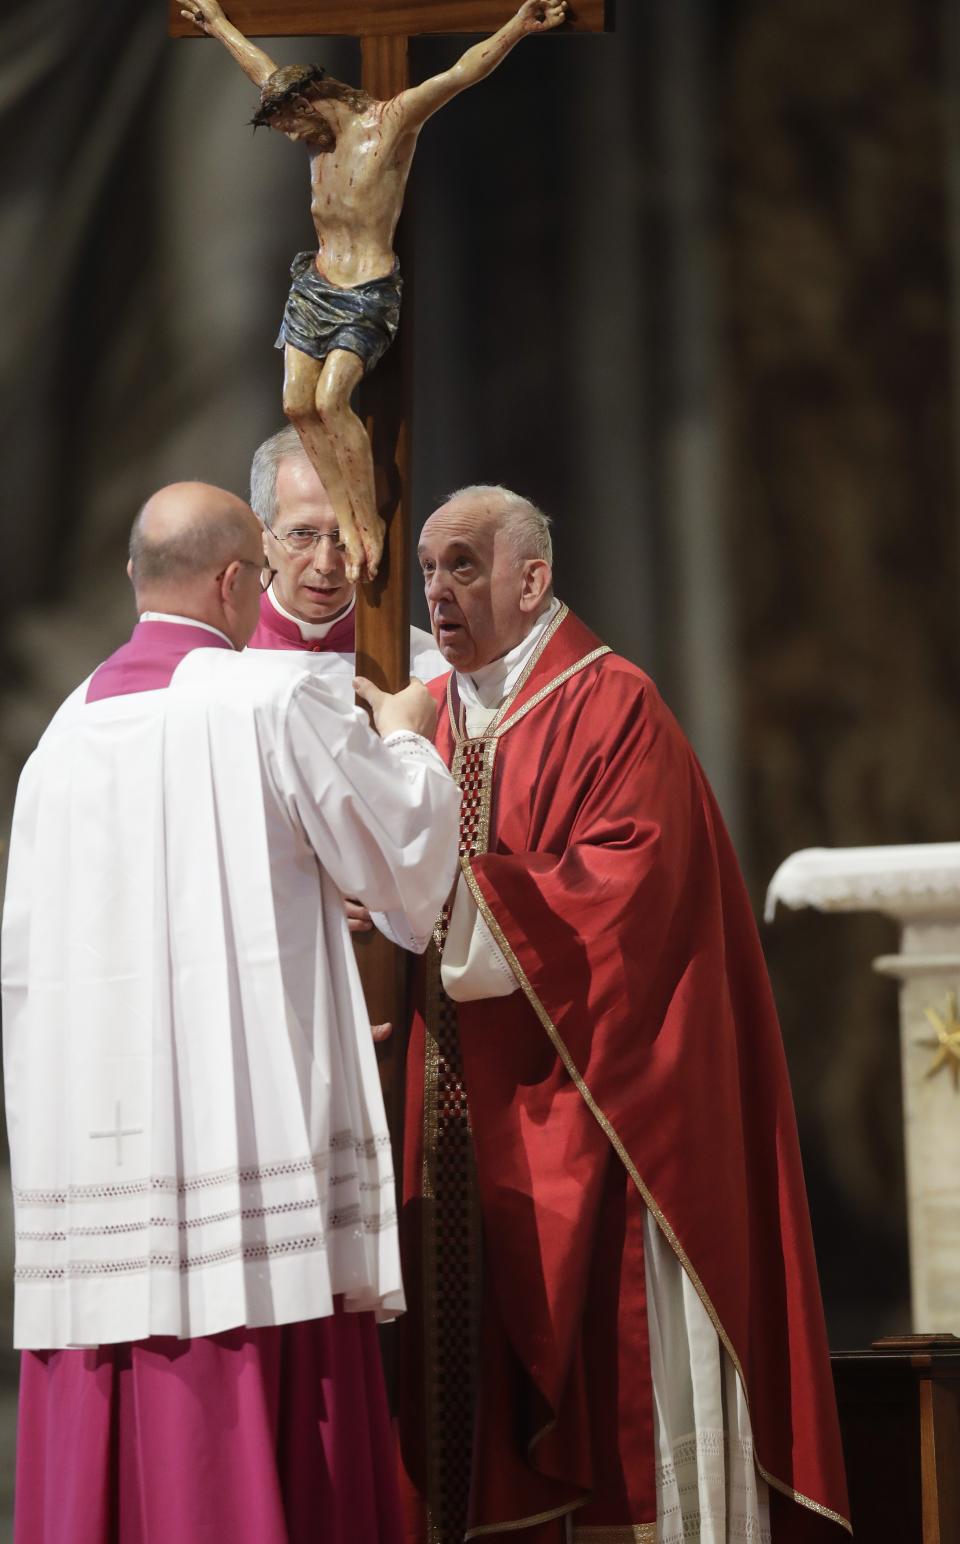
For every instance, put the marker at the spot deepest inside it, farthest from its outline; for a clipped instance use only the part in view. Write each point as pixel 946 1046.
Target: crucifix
pixel 356 296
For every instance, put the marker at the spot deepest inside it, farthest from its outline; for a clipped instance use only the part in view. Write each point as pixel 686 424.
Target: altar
pixel 919 888
pixel 899 1400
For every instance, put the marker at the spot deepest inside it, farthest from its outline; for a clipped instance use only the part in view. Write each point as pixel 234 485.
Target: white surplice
pixel 709 1490
pixel 196 1125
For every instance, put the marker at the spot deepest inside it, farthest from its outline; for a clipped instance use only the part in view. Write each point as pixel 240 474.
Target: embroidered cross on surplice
pixel 119 1132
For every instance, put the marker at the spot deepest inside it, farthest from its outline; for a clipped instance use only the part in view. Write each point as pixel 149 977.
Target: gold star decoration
pixel 947 1043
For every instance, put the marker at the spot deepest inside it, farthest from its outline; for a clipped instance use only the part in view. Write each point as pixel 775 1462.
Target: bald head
pixel 188 529
pixel 185 539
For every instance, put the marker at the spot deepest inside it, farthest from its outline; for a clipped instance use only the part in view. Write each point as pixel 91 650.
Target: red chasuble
pixel 640 1065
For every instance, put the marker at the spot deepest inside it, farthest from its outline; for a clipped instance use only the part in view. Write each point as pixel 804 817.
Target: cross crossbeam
pixel 383 18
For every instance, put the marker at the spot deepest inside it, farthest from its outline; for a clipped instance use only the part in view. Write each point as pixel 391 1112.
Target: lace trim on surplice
pixel 708 1493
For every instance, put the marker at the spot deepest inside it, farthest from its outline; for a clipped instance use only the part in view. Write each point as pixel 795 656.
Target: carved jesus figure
pixel 344 303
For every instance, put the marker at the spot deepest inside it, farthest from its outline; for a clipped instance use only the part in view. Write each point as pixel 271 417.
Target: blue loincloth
pixel 320 316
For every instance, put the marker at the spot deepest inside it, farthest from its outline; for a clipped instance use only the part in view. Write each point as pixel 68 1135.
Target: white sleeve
pixel 18 913
pixel 382 816
pixel 472 964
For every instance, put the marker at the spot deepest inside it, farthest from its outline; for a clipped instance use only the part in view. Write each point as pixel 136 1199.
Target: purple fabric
pixel 278 1435
pixel 274 631
pixel 147 662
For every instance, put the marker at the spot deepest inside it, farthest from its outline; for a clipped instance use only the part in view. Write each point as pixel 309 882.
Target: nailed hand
pixel 542 15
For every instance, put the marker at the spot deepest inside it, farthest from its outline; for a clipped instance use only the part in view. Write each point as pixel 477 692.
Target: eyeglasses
pixel 306 538
pixel 265 571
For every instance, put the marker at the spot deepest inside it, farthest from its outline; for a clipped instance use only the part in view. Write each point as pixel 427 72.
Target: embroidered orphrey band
pixel 625 1533
pixel 451 1212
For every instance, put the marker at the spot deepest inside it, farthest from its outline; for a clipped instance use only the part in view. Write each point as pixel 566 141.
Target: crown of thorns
pixel 282 87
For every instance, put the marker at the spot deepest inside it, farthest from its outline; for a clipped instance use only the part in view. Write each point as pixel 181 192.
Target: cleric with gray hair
pixel 487 563
pixel 310 602
pixel 527 525
pixel 285 445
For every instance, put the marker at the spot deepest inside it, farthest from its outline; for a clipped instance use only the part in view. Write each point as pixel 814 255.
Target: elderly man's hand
pixel 413 709
pixel 359 919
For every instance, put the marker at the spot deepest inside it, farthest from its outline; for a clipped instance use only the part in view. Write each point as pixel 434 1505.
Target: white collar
pixel 312 629
pixel 489 686
pixel 169 616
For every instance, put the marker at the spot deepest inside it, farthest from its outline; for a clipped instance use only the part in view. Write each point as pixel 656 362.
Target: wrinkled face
pixel 473 584
pixel 311 584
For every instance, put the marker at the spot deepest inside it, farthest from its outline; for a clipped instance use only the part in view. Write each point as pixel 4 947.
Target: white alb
pixel 196 1125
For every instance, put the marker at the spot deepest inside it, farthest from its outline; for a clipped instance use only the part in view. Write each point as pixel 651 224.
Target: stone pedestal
pixel 919 887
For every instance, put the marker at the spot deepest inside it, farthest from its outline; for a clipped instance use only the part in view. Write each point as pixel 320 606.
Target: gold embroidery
pixel 505 719
pixel 452 1271
pixel 492 731
pixel 801 1500
pixel 529 667
pixel 452 1239
pixel 551 686
pixel 628 1164
pixel 454 729
pixel 522 1522
pixel 621 1533
pixel 430 1059
pixel 473 772
pixel 538 1436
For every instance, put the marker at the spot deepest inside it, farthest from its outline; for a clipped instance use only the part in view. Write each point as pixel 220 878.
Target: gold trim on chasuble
pixel 497 725
pixel 620 1533
pixel 625 1159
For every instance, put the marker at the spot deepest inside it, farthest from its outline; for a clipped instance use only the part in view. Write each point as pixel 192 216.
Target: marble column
pixel 919 887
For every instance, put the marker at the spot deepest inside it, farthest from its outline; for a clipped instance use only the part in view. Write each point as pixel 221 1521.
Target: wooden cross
pixel 385 28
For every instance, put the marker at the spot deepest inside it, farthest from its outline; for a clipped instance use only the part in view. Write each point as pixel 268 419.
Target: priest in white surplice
pixel 309 604
pixel 203 1181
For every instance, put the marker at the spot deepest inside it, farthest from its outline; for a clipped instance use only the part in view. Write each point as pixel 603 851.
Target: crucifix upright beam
pixel 385 28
